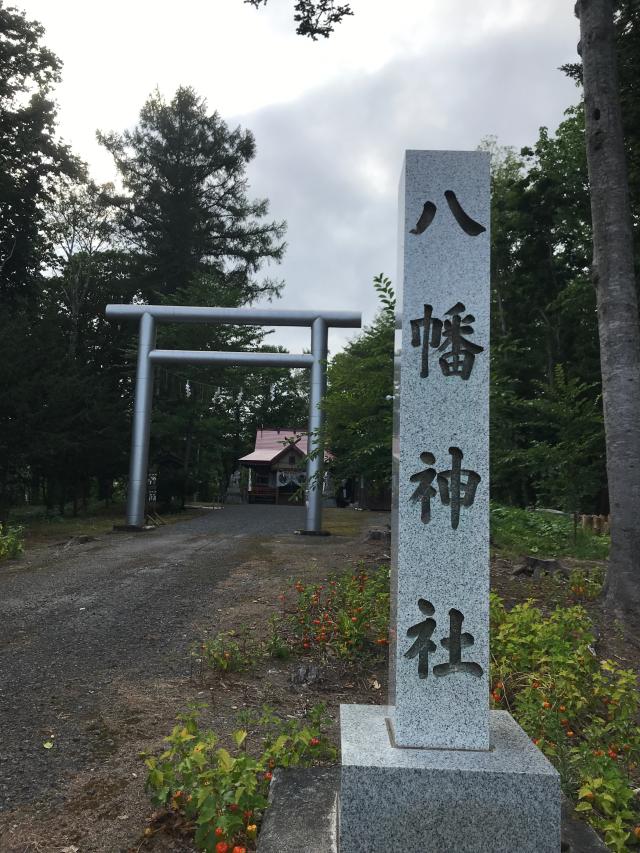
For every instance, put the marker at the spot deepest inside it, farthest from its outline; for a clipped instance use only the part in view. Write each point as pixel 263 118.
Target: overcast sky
pixel 332 118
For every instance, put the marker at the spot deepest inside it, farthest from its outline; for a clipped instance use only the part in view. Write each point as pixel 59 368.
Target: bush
pixel 223 792
pixel 345 618
pixel 581 712
pixel 11 542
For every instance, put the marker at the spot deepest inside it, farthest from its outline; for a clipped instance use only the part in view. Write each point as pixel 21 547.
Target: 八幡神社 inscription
pixel 429 210
pixel 455 491
pixel 458 353
pixel 423 645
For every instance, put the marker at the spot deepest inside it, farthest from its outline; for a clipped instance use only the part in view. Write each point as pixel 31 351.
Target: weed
pixel 11 542
pixel 223 652
pixel 276 645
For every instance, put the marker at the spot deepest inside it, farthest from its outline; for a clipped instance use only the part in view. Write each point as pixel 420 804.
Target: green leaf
pixel 240 736
pixel 208 810
pixel 225 761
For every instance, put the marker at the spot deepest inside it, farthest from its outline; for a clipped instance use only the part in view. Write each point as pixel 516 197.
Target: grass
pixel 341 522
pixel 516 531
pixel 40 528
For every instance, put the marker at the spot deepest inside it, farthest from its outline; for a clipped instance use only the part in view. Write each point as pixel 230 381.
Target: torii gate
pixel 150 315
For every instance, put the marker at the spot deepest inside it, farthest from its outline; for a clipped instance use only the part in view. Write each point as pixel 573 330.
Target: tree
pixel 564 442
pixel 31 159
pixel 614 280
pixel 314 17
pixel 544 328
pixel 82 226
pixel 185 214
pixel 194 237
pixel 358 404
pixel 90 373
pixel 30 154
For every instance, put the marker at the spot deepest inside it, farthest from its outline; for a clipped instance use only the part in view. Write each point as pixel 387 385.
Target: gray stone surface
pixel 435 560
pixel 302 813
pixel 502 800
pixel 302 816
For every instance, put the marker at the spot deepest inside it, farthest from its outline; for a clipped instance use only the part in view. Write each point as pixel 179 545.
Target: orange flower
pixel 570 733
pixel 546 704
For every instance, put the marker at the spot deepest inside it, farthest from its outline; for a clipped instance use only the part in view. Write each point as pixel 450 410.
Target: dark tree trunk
pixel 613 274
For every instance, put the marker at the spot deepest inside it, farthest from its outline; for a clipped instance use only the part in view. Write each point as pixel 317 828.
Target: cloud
pixel 332 118
pixel 330 161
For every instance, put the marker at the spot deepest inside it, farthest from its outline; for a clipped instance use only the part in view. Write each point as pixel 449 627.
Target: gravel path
pixel 76 620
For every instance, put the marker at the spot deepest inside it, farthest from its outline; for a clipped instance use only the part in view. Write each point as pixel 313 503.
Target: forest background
pixel 183 229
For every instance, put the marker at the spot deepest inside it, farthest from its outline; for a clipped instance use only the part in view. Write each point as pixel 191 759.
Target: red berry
pixel 222 847
pixel 219 831
pixel 268 775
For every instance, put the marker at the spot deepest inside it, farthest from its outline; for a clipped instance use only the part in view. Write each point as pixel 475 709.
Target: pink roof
pixel 270 443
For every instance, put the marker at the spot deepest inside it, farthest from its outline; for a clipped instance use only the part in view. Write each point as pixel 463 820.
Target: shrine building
pixel 277 466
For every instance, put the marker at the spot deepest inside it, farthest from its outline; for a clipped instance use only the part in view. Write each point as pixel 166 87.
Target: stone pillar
pixel 435 771
pixel 440 666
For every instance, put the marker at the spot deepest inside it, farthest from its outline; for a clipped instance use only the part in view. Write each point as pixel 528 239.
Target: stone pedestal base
pixel 439 800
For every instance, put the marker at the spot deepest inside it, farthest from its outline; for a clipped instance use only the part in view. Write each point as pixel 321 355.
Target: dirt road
pixel 94 642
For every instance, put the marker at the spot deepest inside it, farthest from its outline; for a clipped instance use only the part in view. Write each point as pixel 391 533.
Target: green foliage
pixel 545 353
pixel 544 534
pixel 32 159
pixel 223 652
pixel 564 444
pixel 581 712
pixel 346 618
pixel 194 237
pixel 587 585
pixel 276 645
pixel 223 791
pixel 11 542
pixel 359 401
pixel 386 294
pixel 30 153
pixel 185 213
